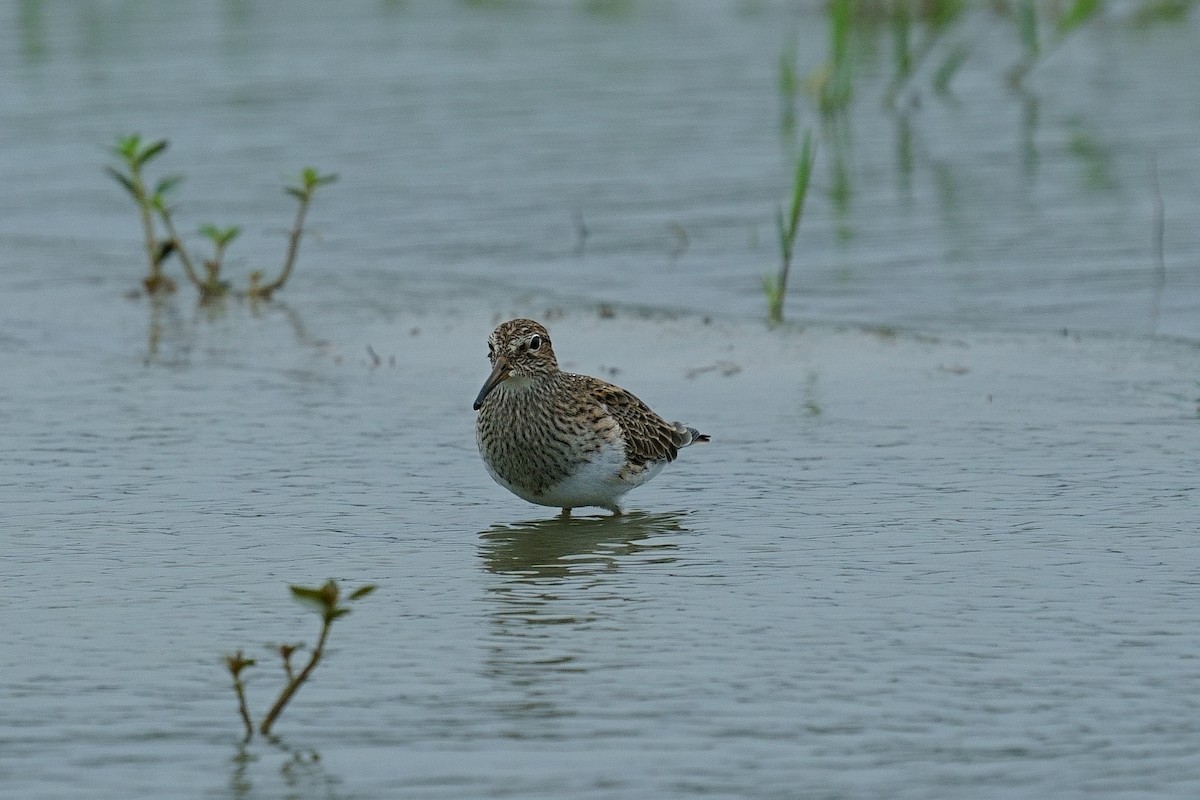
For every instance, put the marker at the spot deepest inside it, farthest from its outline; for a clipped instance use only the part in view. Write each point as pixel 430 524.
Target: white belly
pixel 600 482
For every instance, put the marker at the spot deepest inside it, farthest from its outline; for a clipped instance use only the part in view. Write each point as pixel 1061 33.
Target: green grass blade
pixel 781 229
pixel 800 186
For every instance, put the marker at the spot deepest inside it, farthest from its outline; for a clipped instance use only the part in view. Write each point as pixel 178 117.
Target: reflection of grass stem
pixel 948 68
pixel 904 60
pixel 937 17
pixel 1155 11
pixel 788 83
pixel 775 286
pixel 830 84
pixel 837 88
pixel 1077 14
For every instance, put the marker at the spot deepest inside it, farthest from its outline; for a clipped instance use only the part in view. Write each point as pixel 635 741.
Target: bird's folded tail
pixel 688 435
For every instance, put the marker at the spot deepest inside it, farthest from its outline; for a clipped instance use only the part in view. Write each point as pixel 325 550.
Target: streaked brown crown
pixel 525 347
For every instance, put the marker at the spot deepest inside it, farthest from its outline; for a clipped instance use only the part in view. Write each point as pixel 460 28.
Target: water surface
pixel 941 545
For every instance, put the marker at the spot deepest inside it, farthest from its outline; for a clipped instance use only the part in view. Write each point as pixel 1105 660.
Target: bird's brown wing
pixel 648 437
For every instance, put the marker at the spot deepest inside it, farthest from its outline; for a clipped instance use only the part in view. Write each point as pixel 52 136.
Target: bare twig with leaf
pixel 327 601
pixel 310 181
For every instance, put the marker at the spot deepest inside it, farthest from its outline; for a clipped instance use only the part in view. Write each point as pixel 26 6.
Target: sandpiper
pixel 558 439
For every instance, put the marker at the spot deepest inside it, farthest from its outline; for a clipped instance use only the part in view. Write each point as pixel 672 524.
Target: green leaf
pixel 127 146
pixel 362 591
pixel 237 662
pixel 129 185
pixel 310 178
pixel 164 251
pixel 800 187
pixel 334 613
pixel 310 597
pixel 168 183
pixel 221 236
pixel 299 194
pixel 152 150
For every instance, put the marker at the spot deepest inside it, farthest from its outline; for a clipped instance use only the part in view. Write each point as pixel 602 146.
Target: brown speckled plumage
pixel 566 440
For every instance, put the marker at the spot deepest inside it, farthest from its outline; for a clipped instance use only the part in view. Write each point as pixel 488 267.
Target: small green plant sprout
pixel 213 286
pixel 310 180
pixel 775 286
pixel 326 600
pixel 153 206
pixel 135 155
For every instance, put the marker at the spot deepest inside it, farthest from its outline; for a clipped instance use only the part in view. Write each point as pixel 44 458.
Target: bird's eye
pixel 535 342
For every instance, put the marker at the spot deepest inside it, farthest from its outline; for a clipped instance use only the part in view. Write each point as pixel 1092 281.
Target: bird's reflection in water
pixel 575 546
pixel 561 588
